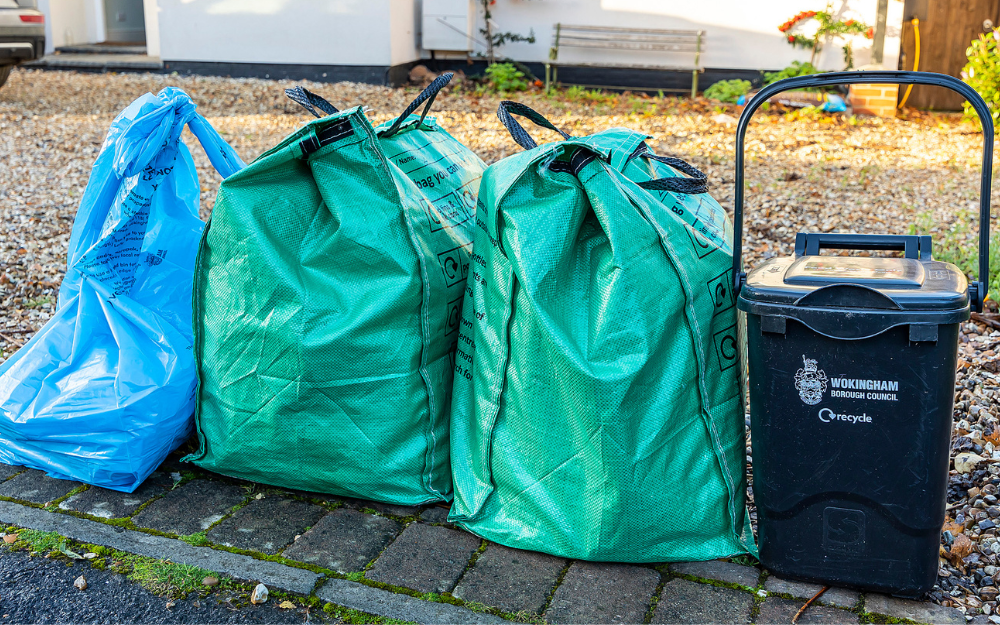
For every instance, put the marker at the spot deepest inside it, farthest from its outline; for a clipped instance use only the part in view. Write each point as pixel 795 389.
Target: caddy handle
pixel 977 290
pixel 912 246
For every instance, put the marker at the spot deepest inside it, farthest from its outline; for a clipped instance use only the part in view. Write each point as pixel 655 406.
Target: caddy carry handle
pixel 977 290
pixel 912 246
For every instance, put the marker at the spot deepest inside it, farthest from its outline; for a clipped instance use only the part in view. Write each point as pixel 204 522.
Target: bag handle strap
pixel 310 101
pixel 222 155
pixel 508 109
pixel 427 95
pixel 697 183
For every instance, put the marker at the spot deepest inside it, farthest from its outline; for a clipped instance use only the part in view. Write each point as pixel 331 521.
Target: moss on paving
pixel 161 576
pixel 169 579
pixel 198 539
pixel 715 582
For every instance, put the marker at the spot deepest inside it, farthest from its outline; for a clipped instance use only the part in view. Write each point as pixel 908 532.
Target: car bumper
pixel 18 49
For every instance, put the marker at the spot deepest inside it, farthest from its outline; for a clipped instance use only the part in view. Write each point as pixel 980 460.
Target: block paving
pixel 410 550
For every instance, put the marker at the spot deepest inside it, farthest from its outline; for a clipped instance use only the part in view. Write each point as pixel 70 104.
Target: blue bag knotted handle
pixel 136 143
pixel 697 183
pixel 146 135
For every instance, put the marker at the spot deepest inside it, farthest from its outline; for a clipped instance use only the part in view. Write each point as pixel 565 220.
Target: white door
pixel 124 21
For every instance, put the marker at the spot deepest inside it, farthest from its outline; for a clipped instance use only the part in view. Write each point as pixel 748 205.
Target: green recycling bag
pixel 327 298
pixel 597 411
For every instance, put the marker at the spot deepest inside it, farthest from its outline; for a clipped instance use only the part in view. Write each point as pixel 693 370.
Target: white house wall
pixel 69 22
pixel 311 32
pixel 740 34
pixel 404 16
pixel 151 13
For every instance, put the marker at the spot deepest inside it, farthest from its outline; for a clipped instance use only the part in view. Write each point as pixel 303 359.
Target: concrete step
pixel 96 48
pixel 99 62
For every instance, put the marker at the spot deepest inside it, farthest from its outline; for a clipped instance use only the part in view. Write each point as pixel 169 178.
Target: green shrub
pixel 982 73
pixel 506 77
pixel 797 68
pixel 728 90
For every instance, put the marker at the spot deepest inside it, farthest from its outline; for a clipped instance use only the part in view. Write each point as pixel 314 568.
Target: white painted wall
pixel 151 13
pixel 320 32
pixel 69 22
pixel 739 33
pixel 404 17
pixel 94 15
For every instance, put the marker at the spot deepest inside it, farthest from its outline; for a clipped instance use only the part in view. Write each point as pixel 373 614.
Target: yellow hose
pixel 916 57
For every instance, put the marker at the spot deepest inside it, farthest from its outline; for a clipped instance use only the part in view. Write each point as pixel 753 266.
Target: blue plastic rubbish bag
pixel 105 390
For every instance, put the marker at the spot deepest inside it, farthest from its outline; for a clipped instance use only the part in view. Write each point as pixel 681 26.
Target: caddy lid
pixel 914 282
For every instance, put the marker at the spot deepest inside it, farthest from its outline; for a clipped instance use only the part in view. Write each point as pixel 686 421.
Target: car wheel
pixel 4 73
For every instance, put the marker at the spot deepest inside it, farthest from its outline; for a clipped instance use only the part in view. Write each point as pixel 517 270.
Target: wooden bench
pixel 684 43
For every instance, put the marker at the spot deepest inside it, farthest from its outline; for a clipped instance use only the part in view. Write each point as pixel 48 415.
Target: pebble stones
pixel 80 583
pixel 259 594
pixel 968 580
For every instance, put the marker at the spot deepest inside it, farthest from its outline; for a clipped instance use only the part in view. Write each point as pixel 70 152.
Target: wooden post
pixel 553 56
pixel 697 61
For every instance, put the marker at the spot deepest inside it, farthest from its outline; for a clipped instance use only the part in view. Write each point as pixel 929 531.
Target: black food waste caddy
pixel 852 365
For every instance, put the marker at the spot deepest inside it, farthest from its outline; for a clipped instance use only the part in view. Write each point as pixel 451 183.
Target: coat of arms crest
pixel 810 382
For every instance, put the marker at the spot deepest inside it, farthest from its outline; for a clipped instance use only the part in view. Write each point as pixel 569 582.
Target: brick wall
pixel 877 100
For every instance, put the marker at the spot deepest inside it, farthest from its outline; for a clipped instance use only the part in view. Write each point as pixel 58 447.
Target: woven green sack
pixel 327 297
pixel 597 411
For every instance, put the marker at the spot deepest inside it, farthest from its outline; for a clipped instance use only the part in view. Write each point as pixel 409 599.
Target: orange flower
pixel 870 33
pixel 791 38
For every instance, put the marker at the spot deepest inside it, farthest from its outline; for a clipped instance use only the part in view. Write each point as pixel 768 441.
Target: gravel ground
pixel 826 174
pixel 37 590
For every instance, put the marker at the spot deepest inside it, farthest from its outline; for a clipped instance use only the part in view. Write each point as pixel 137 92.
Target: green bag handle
pixel 310 101
pixel 427 94
pixel 509 108
pixel 697 183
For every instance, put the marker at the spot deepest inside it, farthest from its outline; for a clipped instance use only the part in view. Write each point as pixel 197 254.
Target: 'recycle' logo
pixel 826 416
